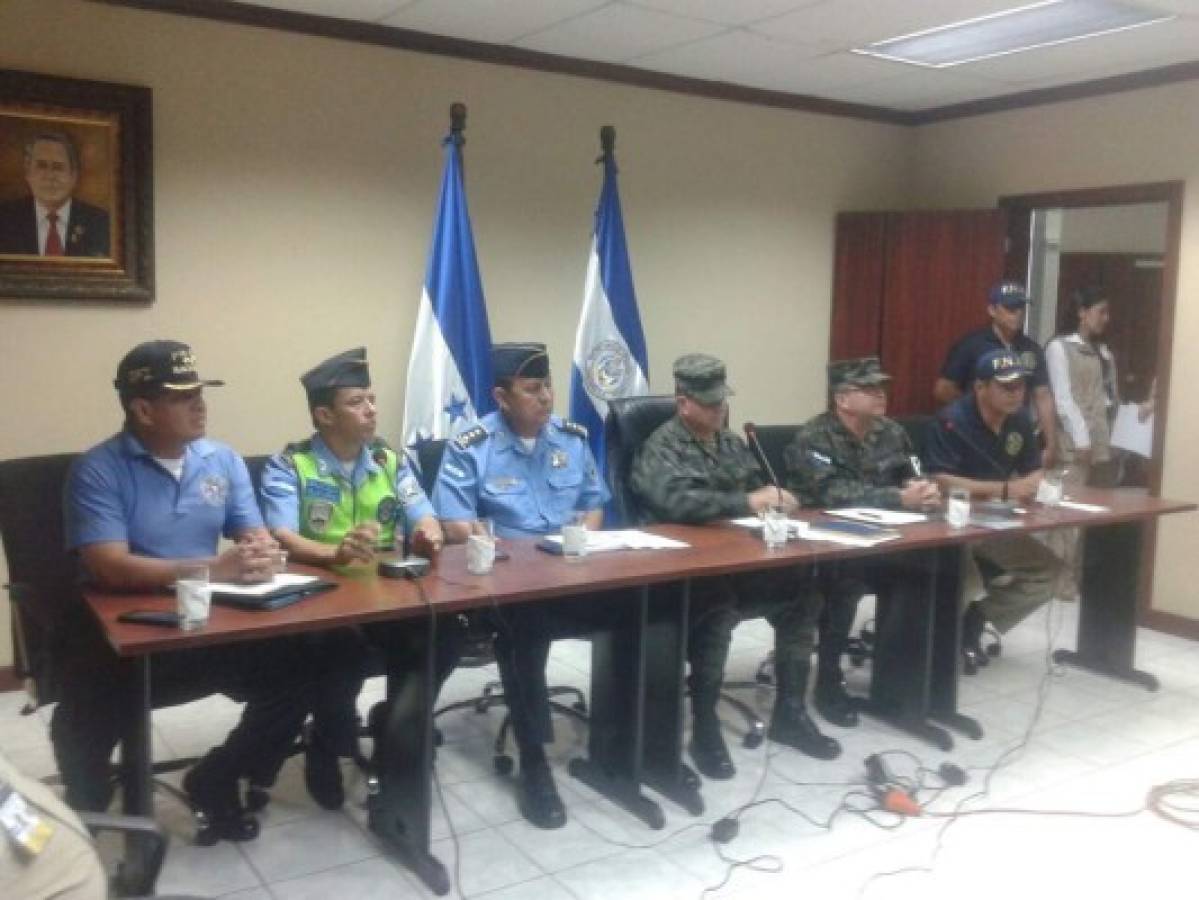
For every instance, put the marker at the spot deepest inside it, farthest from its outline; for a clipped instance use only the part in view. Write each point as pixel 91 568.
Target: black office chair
pixel 45 609
pixel 630 421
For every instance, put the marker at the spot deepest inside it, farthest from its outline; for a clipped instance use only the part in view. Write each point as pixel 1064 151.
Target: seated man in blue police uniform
pixel 153 496
pixel 335 500
pixel 530 472
pixel 984 443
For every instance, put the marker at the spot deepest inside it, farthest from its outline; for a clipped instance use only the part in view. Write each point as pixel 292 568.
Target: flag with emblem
pixel 610 360
pixel 449 372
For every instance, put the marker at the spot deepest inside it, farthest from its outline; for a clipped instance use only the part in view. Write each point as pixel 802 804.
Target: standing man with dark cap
pixel 693 470
pixel 983 443
pixel 1007 306
pixel 154 496
pixel 335 500
pixel 530 472
pixel 853 455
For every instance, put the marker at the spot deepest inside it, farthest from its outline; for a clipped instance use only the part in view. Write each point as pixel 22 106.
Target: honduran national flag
pixel 449 372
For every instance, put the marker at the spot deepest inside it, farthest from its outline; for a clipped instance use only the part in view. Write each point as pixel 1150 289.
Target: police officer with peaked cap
pixel 334 500
pixel 530 472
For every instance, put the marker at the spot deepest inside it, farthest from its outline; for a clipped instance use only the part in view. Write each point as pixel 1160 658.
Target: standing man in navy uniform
pixel 156 495
pixel 1007 305
pixel 531 473
pixel 334 500
pixel 984 443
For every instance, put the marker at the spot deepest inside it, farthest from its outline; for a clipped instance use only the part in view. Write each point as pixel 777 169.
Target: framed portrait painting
pixel 76 189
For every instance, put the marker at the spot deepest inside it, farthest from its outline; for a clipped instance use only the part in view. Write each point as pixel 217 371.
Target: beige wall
pixel 1120 139
pixel 294 185
pixel 1135 228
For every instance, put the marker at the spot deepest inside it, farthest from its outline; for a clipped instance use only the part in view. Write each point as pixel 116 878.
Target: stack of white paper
pixel 630 539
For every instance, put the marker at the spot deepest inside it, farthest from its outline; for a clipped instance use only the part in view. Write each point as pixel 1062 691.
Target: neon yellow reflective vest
pixel 329 504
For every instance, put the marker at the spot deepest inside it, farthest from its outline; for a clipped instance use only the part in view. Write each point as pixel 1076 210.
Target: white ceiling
pixel 796 46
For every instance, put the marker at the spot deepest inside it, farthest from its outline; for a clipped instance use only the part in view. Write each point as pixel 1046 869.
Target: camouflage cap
pixel 862 372
pixel 1000 365
pixel 701 377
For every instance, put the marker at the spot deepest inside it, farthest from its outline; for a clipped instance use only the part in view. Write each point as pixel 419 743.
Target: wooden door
pixel 936 269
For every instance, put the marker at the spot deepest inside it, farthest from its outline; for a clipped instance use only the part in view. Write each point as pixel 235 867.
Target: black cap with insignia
pixel 159 365
pixel 345 370
pixel 520 361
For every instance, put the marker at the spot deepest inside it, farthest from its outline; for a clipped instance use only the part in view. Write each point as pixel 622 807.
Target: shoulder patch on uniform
pixel 289 452
pixel 470 437
pixel 574 428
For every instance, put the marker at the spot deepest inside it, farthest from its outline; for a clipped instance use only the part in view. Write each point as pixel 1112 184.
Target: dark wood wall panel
pixel 939 267
pixel 858 263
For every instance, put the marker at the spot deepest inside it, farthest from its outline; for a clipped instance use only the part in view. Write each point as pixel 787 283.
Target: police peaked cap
pixel 345 370
pixel 519 361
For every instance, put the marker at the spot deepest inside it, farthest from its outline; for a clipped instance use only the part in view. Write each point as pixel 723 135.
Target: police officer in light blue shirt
pixel 156 495
pixel 530 473
pixel 336 499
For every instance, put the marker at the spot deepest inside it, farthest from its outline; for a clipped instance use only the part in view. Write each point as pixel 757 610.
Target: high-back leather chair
pixel 630 421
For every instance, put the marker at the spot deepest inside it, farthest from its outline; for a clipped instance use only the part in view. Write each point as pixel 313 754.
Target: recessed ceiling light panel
pixel 1013 31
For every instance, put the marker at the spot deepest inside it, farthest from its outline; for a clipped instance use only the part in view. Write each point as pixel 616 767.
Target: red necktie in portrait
pixel 53 241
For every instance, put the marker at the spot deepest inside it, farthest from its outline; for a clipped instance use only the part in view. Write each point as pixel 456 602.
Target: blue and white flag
pixel 610 359
pixel 449 372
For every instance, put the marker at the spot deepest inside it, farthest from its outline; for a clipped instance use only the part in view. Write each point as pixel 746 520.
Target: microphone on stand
pixel 751 435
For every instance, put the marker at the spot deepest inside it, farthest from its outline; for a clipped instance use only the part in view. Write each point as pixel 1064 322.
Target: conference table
pixel 638 658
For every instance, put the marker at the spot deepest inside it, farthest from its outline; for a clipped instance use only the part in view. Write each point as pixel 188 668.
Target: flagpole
pixel 607 143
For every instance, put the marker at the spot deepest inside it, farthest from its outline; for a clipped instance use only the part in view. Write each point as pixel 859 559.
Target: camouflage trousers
pixel 789 599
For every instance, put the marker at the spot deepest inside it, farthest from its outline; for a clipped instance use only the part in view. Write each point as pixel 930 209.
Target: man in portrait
pixel 51 221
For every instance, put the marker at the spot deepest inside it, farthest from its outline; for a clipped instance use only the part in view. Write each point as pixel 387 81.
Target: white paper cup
pixel 574 540
pixel 774 528
pixel 480 554
pixel 957 508
pixel 193 597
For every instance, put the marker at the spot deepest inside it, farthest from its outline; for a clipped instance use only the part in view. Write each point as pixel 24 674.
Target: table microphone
pixel 751 435
pixel 1005 475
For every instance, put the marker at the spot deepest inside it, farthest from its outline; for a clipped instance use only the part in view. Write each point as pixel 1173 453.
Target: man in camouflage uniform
pixel 693 470
pixel 852 455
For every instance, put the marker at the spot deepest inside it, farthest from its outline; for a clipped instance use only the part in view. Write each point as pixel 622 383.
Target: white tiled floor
pixel 1097 745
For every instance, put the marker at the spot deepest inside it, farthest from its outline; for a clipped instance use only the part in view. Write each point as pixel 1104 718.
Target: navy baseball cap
pixel 1000 365
pixel 1007 293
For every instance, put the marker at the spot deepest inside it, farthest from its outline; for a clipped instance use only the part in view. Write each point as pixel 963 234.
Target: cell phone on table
pixel 501 555
pixel 159 617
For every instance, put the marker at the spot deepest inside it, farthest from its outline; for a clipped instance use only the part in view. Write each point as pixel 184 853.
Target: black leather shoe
pixel 537 797
pixel 974 623
pixel 322 776
pixel 217 807
pixel 790 724
pixel 709 751
pixel 834 703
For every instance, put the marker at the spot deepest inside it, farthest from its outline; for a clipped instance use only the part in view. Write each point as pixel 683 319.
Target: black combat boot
pixel 322 774
pixel 831 699
pixel 790 723
pixel 708 749
pixel 212 790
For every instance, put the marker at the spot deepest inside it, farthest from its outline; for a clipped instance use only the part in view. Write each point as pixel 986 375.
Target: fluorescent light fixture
pixel 1044 24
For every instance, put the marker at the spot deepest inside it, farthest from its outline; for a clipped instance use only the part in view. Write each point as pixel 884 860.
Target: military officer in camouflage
pixel 334 500
pixel 852 455
pixel 530 472
pixel 693 470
